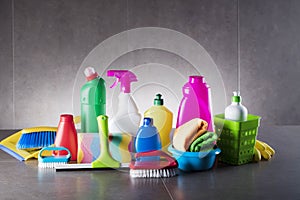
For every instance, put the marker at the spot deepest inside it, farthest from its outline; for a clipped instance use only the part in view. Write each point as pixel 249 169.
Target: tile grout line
pixel 13 59
pixel 167 189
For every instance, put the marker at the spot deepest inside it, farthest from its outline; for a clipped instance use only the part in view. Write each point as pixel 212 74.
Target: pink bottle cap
pixel 90 73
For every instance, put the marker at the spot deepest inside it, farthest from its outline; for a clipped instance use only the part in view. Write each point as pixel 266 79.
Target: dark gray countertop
pixel 278 178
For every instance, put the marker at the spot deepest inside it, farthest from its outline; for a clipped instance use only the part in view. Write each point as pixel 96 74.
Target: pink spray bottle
pixel 196 102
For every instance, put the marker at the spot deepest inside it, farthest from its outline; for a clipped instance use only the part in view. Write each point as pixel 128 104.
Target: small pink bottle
pixel 196 102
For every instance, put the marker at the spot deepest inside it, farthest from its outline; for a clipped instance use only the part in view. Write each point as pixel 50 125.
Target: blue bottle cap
pixel 148 121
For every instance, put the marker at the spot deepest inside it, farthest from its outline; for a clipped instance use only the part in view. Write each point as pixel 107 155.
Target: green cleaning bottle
pixel 93 101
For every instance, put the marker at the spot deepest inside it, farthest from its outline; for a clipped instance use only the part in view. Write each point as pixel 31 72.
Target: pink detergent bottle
pixel 196 102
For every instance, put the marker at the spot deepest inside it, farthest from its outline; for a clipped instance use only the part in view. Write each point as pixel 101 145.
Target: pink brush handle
pixel 170 160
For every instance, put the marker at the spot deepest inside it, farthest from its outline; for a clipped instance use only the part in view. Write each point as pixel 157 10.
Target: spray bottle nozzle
pixel 123 76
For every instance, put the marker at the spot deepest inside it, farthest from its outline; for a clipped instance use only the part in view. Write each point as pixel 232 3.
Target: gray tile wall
pixel 6 66
pixel 51 39
pixel 270 59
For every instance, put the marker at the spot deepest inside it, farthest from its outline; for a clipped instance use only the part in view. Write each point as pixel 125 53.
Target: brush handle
pixel 171 161
pixel 104 160
pixel 103 132
pixel 64 158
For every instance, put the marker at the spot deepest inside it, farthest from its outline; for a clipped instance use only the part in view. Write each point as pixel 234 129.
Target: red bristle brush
pixel 153 164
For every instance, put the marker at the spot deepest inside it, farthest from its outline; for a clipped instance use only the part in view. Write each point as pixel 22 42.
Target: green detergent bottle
pixel 93 101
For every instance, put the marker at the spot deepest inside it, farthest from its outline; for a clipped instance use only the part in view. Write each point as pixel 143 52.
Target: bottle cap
pixel 148 121
pixel 196 79
pixel 236 97
pixel 90 73
pixel 158 101
pixel 66 118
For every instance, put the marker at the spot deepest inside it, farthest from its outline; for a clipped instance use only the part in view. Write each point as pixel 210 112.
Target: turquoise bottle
pixel 93 101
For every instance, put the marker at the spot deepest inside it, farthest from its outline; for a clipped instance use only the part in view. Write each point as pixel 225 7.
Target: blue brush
pixel 36 137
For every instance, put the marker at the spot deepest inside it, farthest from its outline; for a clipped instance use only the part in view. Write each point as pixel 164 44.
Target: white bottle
pixel 236 111
pixel 127 119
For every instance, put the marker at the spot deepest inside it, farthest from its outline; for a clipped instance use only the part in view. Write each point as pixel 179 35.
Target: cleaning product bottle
pixel 92 98
pixel 147 138
pixel 127 118
pixel 162 119
pixel 236 111
pixel 196 102
pixel 66 136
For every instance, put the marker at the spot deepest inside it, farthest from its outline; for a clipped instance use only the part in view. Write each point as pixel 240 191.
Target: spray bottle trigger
pixel 115 83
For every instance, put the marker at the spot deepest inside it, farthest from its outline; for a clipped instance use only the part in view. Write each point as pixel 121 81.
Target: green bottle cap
pixel 158 101
pixel 236 97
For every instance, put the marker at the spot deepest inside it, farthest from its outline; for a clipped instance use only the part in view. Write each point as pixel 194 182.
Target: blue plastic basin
pixel 194 161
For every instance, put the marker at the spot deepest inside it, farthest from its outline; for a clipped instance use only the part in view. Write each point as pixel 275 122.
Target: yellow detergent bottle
pixel 162 120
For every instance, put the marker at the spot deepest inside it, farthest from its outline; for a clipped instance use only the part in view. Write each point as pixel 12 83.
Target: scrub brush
pixel 37 137
pixel 153 164
pixel 53 161
pixel 9 144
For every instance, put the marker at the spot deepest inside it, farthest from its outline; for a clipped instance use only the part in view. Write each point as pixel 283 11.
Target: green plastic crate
pixel 237 138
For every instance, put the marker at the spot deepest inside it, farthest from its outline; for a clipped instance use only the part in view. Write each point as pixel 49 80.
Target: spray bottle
pixel 162 119
pixel 196 102
pixel 236 111
pixel 93 100
pixel 127 118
